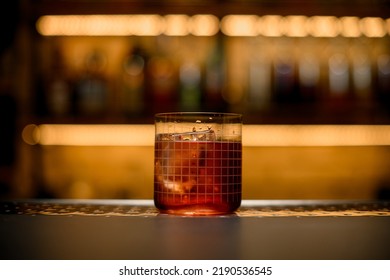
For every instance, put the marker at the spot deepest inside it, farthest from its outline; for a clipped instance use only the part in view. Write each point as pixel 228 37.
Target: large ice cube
pixel 201 135
pixel 180 159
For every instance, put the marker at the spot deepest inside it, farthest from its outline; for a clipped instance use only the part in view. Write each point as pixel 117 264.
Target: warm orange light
pixel 295 26
pixel 323 26
pixel 373 27
pixel 209 25
pixel 350 27
pixel 316 135
pixel 89 135
pixel 253 135
pixel 204 25
pixel 239 25
pixel 84 25
pixel 176 25
pixel 145 25
pixel 270 26
pixel 100 25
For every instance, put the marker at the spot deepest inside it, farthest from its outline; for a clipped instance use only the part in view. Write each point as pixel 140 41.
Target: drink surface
pixel 197 177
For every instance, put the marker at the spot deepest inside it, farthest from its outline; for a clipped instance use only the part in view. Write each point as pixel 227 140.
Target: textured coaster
pixel 326 209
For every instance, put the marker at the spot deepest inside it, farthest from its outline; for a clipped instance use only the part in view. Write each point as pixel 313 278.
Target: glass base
pixel 198 210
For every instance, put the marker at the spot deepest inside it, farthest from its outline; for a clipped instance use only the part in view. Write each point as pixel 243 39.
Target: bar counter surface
pixel 134 229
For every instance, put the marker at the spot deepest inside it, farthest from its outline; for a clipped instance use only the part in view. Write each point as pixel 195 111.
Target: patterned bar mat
pixel 319 210
pixel 328 209
pixel 76 209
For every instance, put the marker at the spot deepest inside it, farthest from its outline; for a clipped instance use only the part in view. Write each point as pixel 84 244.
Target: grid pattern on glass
pixel 197 171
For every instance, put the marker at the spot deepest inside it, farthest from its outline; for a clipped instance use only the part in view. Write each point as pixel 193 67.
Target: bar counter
pixel 134 229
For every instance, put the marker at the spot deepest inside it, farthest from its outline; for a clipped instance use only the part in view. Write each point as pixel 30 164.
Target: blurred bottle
pixel 162 74
pixel 134 79
pixel 190 83
pixel 309 77
pixel 284 74
pixel 338 76
pixel 58 88
pixel 259 95
pixel 383 79
pixel 92 88
pixel 361 73
pixel 215 78
pixel 338 72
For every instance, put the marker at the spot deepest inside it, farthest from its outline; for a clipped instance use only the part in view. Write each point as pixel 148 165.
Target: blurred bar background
pixel 80 82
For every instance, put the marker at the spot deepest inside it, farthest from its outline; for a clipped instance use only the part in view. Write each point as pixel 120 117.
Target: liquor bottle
pixel 338 72
pixel 134 80
pixel 259 93
pixel 284 74
pixel 58 88
pixel 190 91
pixel 309 77
pixel 361 72
pixel 338 75
pixel 339 104
pixel 383 78
pixel 163 81
pixel 92 88
pixel 215 78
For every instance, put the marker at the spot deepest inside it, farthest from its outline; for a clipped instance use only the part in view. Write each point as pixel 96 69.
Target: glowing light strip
pixel 209 25
pixel 316 135
pixel 253 135
pixel 89 135
pixel 125 25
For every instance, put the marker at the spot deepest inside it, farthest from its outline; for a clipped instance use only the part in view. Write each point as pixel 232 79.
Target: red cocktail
pixel 197 177
pixel 197 167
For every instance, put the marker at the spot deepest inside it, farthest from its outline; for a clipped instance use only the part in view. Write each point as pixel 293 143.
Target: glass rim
pixel 200 114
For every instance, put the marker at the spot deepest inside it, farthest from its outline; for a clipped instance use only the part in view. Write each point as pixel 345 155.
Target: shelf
pixel 285 7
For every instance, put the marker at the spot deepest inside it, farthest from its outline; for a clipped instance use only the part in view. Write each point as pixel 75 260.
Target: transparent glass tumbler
pixel 197 168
